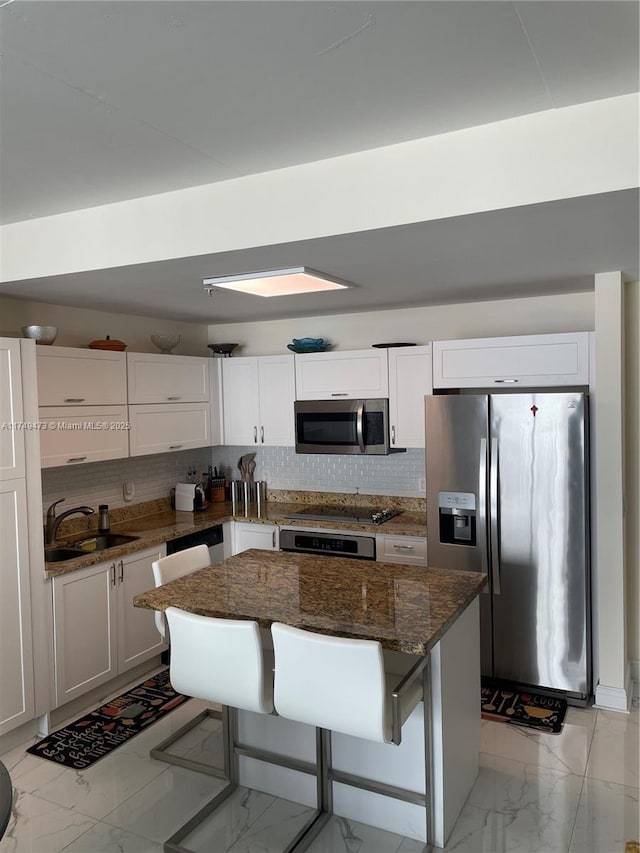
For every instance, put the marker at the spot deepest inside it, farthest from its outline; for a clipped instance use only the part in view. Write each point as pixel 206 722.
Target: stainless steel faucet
pixel 53 521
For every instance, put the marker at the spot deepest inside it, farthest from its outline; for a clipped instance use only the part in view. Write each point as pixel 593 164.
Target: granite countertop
pixel 406 609
pixel 162 524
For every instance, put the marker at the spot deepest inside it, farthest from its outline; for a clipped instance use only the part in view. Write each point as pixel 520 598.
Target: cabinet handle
pixel 255 435
pixel 174 398
pixel 175 446
pixel 74 399
pixel 113 574
pixel 121 577
pixel 506 381
pixel 339 394
pixel 403 547
pixel 393 435
pixel 76 459
pixel 273 539
pixel 261 435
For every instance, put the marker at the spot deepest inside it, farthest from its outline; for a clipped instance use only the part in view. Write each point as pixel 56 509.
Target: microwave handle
pixel 360 426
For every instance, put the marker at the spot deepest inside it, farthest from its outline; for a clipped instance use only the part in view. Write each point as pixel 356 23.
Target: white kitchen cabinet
pixel 513 362
pixel 409 381
pixel 167 428
pixel 12 461
pixel 16 656
pixel 72 435
pixel 253 535
pixel 348 375
pixel 70 376
pixel 258 395
pixel 408 550
pixel 158 378
pixel 97 632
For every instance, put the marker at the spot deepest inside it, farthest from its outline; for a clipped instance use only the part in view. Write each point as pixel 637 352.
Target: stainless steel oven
pixel 342 426
pixel 328 543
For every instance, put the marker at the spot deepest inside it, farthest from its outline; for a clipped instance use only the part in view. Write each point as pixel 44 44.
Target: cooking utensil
pixel 505 695
pixel 512 708
pixel 492 706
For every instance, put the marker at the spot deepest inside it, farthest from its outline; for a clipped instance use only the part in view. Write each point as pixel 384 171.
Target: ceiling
pixel 107 101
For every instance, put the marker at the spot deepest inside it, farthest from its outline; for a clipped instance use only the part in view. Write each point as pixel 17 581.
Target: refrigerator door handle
pixel 493 511
pixel 482 510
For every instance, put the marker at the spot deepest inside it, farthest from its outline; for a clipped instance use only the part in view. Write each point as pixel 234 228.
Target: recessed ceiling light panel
pixel 284 282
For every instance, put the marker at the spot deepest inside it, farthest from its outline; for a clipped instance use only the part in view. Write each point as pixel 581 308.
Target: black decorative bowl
pixel 222 349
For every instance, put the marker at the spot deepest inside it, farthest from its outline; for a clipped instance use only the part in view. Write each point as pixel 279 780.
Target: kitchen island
pixel 411 612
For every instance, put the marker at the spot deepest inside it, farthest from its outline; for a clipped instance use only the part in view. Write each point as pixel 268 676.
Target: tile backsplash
pixel 399 474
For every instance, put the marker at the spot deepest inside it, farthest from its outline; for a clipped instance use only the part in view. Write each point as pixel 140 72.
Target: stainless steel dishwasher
pixel 212 537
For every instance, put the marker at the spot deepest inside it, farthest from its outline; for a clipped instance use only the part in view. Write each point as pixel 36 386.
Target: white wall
pixel 535 315
pixel 79 326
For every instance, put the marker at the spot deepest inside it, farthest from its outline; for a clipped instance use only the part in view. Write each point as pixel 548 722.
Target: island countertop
pixel 407 609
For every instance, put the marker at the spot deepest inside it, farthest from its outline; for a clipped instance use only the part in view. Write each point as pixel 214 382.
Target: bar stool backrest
pixel 219 660
pixel 175 566
pixel 331 682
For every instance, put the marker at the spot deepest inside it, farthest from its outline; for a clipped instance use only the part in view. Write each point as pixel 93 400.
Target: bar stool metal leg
pixel 312 829
pixel 161 751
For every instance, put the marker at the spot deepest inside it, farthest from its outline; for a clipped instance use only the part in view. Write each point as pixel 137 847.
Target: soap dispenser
pixel 104 522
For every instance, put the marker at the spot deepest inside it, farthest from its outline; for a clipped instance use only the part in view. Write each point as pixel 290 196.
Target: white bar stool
pixel 220 660
pixel 340 684
pixel 165 570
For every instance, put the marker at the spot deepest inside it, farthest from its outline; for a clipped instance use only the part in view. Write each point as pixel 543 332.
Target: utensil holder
pixel 244 494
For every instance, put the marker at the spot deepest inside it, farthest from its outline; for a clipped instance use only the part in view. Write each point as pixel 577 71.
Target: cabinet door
pixel 69 376
pixel 163 429
pixel 409 382
pixel 11 412
pixel 76 434
pixel 409 550
pixel 514 362
pixel 158 378
pixel 16 655
pixel 247 535
pixel 138 637
pixel 85 638
pixel 276 377
pixel 240 400
pixel 342 375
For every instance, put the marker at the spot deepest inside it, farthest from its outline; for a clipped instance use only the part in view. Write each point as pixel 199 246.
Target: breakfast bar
pixel 413 613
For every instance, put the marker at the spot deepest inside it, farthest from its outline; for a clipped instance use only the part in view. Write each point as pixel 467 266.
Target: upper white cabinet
pixel 258 395
pixel 409 382
pixel 72 435
pixel 158 378
pixel 342 375
pixel 170 427
pixel 69 376
pixel 513 362
pixel 12 462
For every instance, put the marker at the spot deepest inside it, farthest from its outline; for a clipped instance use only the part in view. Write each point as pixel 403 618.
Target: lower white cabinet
pixel 97 631
pixel 409 550
pixel 253 535
pixel 16 658
pixel 170 427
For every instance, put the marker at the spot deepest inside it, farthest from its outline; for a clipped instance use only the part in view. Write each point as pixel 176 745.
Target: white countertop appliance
pixel 190 497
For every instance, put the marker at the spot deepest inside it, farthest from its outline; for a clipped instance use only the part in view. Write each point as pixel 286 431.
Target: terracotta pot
pixel 107 343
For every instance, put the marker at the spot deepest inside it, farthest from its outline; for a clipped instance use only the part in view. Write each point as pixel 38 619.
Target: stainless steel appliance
pixel 343 426
pixel 354 514
pixel 331 544
pixel 507 494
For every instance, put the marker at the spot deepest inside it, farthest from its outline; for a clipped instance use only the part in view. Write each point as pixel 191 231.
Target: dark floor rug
pixel 523 708
pixel 87 740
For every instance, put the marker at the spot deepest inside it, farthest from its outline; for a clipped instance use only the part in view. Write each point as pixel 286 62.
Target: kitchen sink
pixel 104 540
pixel 57 555
pixel 94 543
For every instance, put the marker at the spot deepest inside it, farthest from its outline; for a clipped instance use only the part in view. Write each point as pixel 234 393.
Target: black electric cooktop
pixel 355 514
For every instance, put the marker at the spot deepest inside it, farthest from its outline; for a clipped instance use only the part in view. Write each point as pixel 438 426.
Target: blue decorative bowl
pixel 308 342
pixel 301 349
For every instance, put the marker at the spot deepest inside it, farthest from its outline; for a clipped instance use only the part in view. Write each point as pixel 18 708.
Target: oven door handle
pixel 360 426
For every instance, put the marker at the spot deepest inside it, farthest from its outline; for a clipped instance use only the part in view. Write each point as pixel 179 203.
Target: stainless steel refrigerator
pixel 507 494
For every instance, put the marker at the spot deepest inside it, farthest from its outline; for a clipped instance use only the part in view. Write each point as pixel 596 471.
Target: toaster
pixel 190 497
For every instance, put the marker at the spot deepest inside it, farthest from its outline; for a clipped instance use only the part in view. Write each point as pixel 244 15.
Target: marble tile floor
pixel 576 792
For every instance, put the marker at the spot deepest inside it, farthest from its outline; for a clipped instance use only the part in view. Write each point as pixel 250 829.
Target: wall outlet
pixel 128 490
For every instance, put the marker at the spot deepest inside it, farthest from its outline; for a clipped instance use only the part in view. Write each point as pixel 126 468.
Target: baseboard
pixel 635 678
pixel 615 698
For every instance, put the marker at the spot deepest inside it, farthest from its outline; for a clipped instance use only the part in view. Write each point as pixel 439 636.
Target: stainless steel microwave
pixel 342 426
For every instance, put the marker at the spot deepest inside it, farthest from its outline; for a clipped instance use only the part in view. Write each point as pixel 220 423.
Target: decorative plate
pixel 222 349
pixel 385 346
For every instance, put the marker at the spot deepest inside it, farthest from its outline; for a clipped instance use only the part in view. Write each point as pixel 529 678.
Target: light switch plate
pixel 128 490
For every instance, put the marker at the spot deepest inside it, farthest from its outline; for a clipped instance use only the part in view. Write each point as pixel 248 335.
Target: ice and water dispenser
pixel 457 513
